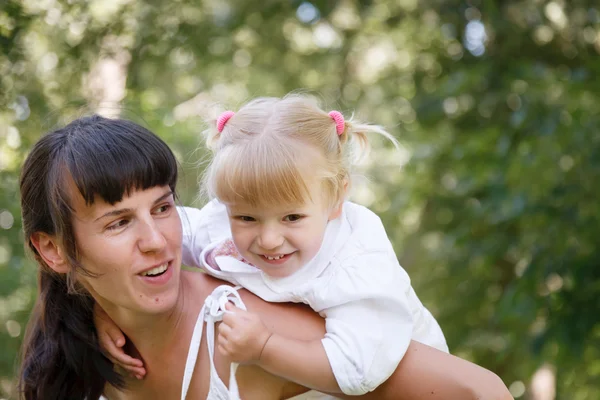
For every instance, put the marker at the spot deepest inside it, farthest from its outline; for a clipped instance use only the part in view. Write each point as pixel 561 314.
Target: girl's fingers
pixel 126 360
pixel 224 329
pixel 116 336
pixel 136 371
pixel 223 351
pixel 118 356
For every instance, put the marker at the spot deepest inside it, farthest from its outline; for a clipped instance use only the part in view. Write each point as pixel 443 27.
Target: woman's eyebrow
pixel 114 213
pixel 164 196
pixel 121 211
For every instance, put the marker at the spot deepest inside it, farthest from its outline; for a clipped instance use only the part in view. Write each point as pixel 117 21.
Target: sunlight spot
pixel 543 34
pixel 13 328
pixel 555 13
pixel 307 13
pixel 517 389
pixel 475 37
pixel 6 219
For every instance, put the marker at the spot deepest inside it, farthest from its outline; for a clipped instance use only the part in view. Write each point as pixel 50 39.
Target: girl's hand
pixel 242 335
pixel 112 341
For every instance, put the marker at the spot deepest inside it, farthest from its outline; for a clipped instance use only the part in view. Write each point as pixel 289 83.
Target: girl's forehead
pixel 271 209
pixel 266 208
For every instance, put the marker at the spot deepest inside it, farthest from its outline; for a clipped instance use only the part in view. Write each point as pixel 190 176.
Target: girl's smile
pixel 277 259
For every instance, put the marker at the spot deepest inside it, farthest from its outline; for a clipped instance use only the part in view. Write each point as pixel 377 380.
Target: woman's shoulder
pixel 200 283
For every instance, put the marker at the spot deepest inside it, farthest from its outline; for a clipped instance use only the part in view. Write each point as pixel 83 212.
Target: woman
pixel 98 204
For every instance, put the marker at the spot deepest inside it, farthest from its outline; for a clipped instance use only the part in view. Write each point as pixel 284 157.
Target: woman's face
pixel 135 248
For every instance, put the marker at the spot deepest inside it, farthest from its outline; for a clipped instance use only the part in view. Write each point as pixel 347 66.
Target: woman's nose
pixel 151 238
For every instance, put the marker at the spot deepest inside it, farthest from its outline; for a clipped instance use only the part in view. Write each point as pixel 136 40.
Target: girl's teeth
pixel 273 258
pixel 155 271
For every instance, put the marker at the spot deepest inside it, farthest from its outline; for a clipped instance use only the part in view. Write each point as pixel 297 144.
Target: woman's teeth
pixel 156 271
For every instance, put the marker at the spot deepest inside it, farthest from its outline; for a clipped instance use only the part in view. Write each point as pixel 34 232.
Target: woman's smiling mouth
pixel 156 271
pixel 158 275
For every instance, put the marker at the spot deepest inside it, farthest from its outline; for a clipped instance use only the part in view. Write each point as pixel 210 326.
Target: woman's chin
pixel 160 294
pixel 158 304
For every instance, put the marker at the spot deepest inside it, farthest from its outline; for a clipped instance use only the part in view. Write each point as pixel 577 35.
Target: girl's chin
pixel 279 272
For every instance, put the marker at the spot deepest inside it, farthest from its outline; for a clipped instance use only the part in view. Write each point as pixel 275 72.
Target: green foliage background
pixel 491 202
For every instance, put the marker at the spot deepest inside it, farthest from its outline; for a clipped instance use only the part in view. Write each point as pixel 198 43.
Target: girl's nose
pixel 270 239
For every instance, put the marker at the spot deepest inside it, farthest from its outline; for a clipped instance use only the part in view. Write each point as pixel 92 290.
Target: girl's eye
pixel 245 218
pixel 293 217
pixel 118 224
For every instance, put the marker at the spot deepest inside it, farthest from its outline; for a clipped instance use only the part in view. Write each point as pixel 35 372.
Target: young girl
pixel 279 226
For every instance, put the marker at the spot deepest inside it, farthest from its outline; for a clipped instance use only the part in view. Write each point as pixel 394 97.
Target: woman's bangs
pixel 113 162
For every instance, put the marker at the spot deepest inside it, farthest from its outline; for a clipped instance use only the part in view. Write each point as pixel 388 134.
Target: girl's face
pixel 281 240
pixel 134 246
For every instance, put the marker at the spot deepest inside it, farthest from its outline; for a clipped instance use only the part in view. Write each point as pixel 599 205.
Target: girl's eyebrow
pixel 121 211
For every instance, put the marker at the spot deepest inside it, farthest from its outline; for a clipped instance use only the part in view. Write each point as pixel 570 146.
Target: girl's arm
pixel 244 338
pixel 423 373
pixel 304 361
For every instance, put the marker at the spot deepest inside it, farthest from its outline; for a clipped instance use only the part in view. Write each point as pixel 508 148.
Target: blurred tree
pixel 490 203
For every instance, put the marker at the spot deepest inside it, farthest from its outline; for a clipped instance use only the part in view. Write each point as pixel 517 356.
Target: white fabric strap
pixel 212 312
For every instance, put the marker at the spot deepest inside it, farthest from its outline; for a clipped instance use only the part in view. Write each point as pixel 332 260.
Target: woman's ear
pixel 49 249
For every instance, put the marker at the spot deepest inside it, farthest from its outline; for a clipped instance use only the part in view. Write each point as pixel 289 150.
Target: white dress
pixel 354 281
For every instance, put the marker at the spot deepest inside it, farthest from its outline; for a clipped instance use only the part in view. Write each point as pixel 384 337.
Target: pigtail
pixel 356 136
pixel 211 137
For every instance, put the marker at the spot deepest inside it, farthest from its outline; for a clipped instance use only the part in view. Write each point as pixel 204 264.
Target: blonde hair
pixel 273 148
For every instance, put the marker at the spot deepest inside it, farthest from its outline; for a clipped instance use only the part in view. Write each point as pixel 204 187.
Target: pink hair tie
pixel 222 120
pixel 340 124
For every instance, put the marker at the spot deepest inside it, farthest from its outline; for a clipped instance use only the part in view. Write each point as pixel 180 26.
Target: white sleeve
pixel 369 322
pixel 199 230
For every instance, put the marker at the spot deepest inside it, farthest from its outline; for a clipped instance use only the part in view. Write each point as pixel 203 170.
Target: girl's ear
pixel 48 248
pixel 337 210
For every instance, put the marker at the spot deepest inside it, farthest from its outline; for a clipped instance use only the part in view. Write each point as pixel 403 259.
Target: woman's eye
pixel 118 224
pixel 163 209
pixel 293 217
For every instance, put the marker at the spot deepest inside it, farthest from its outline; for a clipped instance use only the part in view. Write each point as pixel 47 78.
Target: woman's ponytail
pixel 61 358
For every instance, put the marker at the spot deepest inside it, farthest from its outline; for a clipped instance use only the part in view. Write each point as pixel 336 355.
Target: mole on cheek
pixel 156 300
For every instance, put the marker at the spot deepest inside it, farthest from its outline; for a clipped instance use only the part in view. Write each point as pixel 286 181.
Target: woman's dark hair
pixel 103 157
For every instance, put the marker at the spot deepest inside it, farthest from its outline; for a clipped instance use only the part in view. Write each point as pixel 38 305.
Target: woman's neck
pixel 157 335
